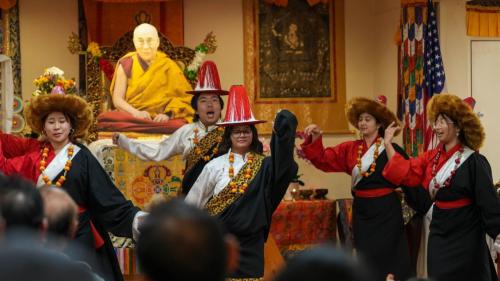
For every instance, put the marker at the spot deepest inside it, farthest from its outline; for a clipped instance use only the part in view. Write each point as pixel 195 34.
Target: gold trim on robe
pixel 218 203
pixel 204 148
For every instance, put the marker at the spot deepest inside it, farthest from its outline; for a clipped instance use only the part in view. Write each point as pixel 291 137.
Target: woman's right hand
pixel 389 132
pixel 314 131
pixel 115 138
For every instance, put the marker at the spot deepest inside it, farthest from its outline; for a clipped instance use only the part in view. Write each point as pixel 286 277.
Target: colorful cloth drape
pixel 299 224
pixel 421 73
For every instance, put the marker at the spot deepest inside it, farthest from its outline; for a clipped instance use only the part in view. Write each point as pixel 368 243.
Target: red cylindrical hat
pixel 238 108
pixel 208 80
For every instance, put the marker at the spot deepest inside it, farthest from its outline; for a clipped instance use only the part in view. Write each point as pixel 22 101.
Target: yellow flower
pixel 94 49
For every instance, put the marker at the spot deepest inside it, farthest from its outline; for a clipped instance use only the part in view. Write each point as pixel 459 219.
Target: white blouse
pixel 213 179
pixel 180 142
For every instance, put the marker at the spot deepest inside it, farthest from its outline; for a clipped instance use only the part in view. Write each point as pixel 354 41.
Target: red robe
pixel 378 229
pixel 456 249
pixel 103 207
pixel 22 156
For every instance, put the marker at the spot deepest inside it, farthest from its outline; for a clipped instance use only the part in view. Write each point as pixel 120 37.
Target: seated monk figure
pixel 148 89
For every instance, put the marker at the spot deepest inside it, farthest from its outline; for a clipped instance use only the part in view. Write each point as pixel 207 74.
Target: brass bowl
pixel 305 194
pixel 320 193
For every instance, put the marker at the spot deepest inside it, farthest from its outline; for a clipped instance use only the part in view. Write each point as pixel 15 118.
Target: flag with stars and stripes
pixel 434 69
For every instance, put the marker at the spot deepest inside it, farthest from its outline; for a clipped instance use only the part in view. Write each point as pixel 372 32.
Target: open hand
pixel 161 118
pixel 390 131
pixel 314 131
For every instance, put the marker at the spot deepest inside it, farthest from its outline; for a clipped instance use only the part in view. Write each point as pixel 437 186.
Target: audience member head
pixel 181 242
pixel 22 258
pixel 323 263
pixel 21 204
pixel 60 211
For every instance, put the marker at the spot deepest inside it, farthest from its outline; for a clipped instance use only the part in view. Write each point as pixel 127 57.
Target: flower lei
pixel 248 174
pixel 215 150
pixel 378 142
pixel 46 179
pixel 453 172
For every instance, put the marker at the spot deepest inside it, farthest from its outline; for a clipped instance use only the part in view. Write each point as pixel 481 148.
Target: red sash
pixel 455 204
pixel 372 193
pixel 98 241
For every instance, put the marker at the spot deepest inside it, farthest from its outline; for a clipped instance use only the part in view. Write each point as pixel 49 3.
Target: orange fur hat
pixel 357 106
pixel 460 112
pixel 79 110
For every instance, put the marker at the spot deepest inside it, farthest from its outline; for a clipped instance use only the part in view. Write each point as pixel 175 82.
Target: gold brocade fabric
pixel 204 147
pixel 225 198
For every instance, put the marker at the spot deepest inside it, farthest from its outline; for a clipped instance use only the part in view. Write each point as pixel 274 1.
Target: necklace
pixel 45 154
pixel 248 174
pixel 198 149
pixel 373 165
pixel 435 162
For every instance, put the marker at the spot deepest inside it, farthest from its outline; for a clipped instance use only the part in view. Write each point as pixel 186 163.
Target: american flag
pixel 433 68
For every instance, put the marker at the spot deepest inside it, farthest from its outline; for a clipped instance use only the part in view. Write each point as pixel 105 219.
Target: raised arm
pixel 330 159
pixel 13 146
pixel 283 166
pixel 401 171
pixel 157 151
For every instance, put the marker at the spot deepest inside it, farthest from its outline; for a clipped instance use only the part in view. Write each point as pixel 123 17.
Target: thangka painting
pixel 294 59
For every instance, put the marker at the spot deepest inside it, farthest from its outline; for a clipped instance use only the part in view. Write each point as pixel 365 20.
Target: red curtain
pixel 108 20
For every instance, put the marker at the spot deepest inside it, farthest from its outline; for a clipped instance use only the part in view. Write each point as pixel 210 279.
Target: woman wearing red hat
pixel 242 187
pixel 59 159
pixel 199 141
pixel 459 181
pixel 378 229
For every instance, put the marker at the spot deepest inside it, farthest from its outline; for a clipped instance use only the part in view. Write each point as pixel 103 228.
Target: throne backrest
pixel 97 86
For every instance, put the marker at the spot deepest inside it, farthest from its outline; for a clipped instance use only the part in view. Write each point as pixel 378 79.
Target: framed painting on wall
pixel 294 59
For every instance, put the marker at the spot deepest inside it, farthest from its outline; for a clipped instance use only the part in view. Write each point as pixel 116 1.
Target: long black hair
pixel 194 105
pixel 256 146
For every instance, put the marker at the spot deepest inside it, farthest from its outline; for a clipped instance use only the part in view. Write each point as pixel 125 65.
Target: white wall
pixel 45 26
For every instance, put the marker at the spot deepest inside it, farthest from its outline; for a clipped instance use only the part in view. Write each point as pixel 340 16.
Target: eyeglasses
pixel 241 132
pixel 441 122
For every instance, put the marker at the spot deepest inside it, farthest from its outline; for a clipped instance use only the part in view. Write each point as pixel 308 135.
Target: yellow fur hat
pixel 357 106
pixel 461 113
pixel 76 107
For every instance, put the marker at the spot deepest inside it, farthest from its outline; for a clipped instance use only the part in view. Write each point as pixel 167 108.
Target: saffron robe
pixel 159 88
